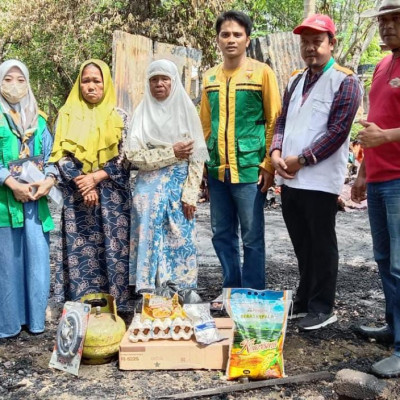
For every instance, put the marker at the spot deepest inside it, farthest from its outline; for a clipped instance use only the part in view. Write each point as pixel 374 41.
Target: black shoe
pixel 381 335
pixel 314 321
pixel 387 368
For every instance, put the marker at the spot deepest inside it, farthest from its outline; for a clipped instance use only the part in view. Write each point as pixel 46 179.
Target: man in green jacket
pixel 240 103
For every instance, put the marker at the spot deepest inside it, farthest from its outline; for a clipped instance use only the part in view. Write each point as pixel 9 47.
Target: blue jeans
pixel 384 216
pixel 233 204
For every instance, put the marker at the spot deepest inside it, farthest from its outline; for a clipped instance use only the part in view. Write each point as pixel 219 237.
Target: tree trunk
pixel 309 7
pixel 356 51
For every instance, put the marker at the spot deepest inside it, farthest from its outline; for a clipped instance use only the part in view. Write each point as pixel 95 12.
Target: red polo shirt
pixel 383 162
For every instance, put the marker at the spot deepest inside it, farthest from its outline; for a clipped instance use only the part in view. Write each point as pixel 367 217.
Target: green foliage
pixel 53 37
pixel 373 54
pixel 184 23
pixel 268 16
pixel 355 128
pixel 353 33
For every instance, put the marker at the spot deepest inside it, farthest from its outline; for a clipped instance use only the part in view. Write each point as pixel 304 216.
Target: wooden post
pixel 309 7
pixel 303 378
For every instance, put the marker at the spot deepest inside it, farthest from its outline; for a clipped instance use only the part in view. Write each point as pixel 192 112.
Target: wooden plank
pixel 186 59
pixel 296 379
pixel 132 54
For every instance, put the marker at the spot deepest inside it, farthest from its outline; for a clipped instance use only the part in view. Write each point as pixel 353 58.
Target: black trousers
pixel 310 218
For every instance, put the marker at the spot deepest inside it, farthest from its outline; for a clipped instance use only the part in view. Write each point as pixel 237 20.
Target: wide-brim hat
pixel 387 7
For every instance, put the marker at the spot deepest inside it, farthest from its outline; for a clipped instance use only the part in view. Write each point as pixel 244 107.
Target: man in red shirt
pixel 379 177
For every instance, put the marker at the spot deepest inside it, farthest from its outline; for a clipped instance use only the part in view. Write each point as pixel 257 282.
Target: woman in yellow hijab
pixel 93 248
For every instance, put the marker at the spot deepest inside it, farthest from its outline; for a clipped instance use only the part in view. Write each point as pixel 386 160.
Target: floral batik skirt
pixel 162 246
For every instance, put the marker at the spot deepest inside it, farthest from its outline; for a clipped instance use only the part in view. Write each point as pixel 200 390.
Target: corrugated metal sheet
pixel 133 53
pixel 281 51
pixel 131 56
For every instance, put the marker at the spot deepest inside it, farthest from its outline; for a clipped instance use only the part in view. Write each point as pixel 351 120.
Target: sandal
pixel 217 304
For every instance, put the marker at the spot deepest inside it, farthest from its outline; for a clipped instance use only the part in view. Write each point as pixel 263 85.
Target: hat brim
pixel 376 13
pixel 299 29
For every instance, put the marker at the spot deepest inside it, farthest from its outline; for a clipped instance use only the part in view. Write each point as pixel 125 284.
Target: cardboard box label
pixel 182 354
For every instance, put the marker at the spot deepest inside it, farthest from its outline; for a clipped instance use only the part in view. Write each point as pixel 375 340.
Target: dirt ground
pixel 24 371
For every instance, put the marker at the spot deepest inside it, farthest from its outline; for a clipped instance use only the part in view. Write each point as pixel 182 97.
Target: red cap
pixel 318 22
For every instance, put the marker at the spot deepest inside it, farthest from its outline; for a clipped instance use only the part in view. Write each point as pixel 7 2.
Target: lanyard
pixel 329 65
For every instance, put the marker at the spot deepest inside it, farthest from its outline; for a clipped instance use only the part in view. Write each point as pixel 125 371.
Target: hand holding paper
pixel 31 174
pixel 21 191
pixel 42 188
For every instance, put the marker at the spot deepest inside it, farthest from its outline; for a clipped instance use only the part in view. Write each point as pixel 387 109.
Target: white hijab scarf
pixel 162 123
pixel 27 107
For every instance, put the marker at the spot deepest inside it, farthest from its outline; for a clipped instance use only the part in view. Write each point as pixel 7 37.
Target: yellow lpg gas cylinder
pixel 105 329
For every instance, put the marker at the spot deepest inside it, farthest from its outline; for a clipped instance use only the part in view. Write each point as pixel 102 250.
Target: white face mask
pixel 14 92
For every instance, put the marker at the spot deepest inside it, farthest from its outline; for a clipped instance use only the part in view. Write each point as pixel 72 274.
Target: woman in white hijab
pixel 25 220
pixel 166 143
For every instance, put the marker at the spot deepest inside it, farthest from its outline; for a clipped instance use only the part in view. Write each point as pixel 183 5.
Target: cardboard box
pixel 181 354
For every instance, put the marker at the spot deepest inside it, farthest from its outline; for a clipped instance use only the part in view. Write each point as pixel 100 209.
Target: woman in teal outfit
pixel 25 220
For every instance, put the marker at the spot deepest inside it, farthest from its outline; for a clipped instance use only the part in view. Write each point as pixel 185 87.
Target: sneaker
pixel 314 321
pixel 381 335
pixel 387 368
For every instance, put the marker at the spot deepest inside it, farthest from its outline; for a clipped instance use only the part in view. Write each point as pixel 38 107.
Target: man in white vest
pixel 309 152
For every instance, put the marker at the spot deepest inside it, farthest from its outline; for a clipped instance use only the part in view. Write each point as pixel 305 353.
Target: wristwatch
pixel 301 159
